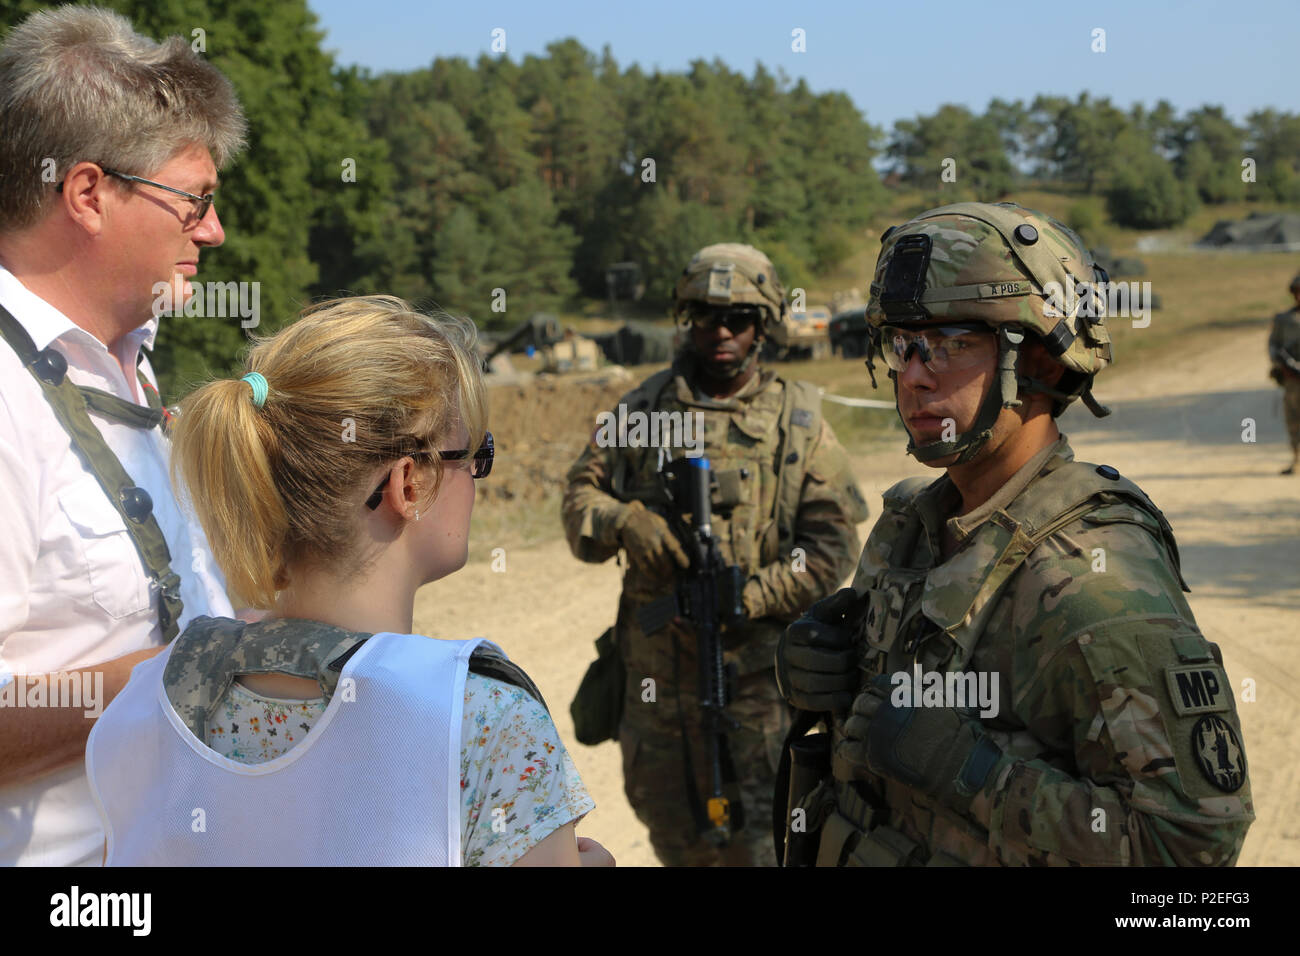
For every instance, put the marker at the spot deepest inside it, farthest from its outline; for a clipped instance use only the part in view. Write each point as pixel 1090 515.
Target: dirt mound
pixel 540 428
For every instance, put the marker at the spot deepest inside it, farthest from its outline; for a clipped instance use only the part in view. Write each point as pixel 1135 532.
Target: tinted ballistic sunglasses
pixel 942 349
pixel 736 318
pixel 481 467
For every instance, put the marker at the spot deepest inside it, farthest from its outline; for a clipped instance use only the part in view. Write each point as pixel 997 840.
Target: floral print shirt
pixel 518 784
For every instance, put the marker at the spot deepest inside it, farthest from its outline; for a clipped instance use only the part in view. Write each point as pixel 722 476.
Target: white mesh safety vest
pixel 375 783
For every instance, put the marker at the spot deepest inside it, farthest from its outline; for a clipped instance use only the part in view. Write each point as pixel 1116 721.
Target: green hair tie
pixel 259 387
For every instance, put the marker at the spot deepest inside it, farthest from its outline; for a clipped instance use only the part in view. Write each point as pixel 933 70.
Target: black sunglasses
pixel 481 467
pixel 709 317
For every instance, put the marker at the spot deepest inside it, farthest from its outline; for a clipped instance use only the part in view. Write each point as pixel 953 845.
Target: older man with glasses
pixel 109 150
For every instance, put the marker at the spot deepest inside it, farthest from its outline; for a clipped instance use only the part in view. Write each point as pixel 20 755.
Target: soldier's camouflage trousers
pixel 654 779
pixel 1291 408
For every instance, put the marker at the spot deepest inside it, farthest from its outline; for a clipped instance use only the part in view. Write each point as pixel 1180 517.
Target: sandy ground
pixel 1238 528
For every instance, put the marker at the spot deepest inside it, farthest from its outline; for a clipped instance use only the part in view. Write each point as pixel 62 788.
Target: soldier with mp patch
pixel 1114 736
pixel 784 509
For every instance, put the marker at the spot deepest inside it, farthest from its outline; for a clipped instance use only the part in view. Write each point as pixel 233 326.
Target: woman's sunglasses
pixel 481 465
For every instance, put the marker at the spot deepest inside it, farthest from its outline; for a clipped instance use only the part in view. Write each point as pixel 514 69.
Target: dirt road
pixel 1238 528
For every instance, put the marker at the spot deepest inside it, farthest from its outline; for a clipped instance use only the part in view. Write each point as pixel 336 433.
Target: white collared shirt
pixel 74 590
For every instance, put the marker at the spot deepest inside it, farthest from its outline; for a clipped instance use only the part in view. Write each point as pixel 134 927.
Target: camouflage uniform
pixel 1091 712
pixel 1284 353
pixel 1114 737
pixel 743 441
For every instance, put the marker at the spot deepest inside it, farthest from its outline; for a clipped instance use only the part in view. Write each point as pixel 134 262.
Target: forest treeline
pixel 533 175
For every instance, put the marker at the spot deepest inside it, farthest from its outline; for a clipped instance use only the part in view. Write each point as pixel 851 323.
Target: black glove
pixel 934 749
pixel 816 664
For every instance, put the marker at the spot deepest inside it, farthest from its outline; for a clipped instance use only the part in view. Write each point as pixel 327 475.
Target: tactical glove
pixel 934 749
pixel 816 665
pixel 650 544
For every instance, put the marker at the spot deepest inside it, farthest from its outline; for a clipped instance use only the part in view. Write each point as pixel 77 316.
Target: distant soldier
pixel 1015 676
pixel 1284 353
pixel 785 506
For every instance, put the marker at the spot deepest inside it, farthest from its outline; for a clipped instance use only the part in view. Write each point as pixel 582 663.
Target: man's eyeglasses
pixel 481 465
pixel 201 203
pixel 709 317
pixel 941 349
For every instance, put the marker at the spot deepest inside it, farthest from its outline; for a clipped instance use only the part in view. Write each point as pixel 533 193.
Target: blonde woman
pixel 333 480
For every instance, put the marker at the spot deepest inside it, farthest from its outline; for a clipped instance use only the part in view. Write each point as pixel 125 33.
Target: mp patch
pixel 1218 753
pixel 801 417
pixel 1198 689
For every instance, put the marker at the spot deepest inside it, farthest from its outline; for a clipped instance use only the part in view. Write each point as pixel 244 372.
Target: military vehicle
pixel 849 332
pixel 802 335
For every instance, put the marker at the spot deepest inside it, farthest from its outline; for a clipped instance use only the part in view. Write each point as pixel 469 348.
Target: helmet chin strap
pixel 1003 395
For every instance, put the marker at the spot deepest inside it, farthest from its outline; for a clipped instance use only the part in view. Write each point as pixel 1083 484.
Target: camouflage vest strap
pixel 1068 495
pixel 69 402
pixel 211 652
pixel 801 426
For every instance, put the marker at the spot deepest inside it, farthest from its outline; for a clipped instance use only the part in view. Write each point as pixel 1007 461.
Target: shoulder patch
pixel 1219 754
pixel 801 417
pixel 1198 689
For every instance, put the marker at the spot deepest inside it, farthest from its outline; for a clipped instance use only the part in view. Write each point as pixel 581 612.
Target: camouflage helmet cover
pixel 1295 283
pixel 731 273
pixel 1000 264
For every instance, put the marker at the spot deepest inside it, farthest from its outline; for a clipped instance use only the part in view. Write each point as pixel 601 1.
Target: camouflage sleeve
pixel 1275 352
pixel 590 512
pixel 826 544
pixel 1142 701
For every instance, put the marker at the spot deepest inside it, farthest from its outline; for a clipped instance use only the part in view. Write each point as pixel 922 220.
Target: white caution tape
pixel 855 402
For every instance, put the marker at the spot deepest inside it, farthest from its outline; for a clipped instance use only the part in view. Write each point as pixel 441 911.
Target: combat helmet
pixel 732 273
pixel 1015 270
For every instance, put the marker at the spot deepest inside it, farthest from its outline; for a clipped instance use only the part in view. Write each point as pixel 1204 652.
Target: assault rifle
pixel 708 595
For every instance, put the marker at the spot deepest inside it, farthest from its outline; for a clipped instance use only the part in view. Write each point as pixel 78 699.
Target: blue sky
pixel 895 58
